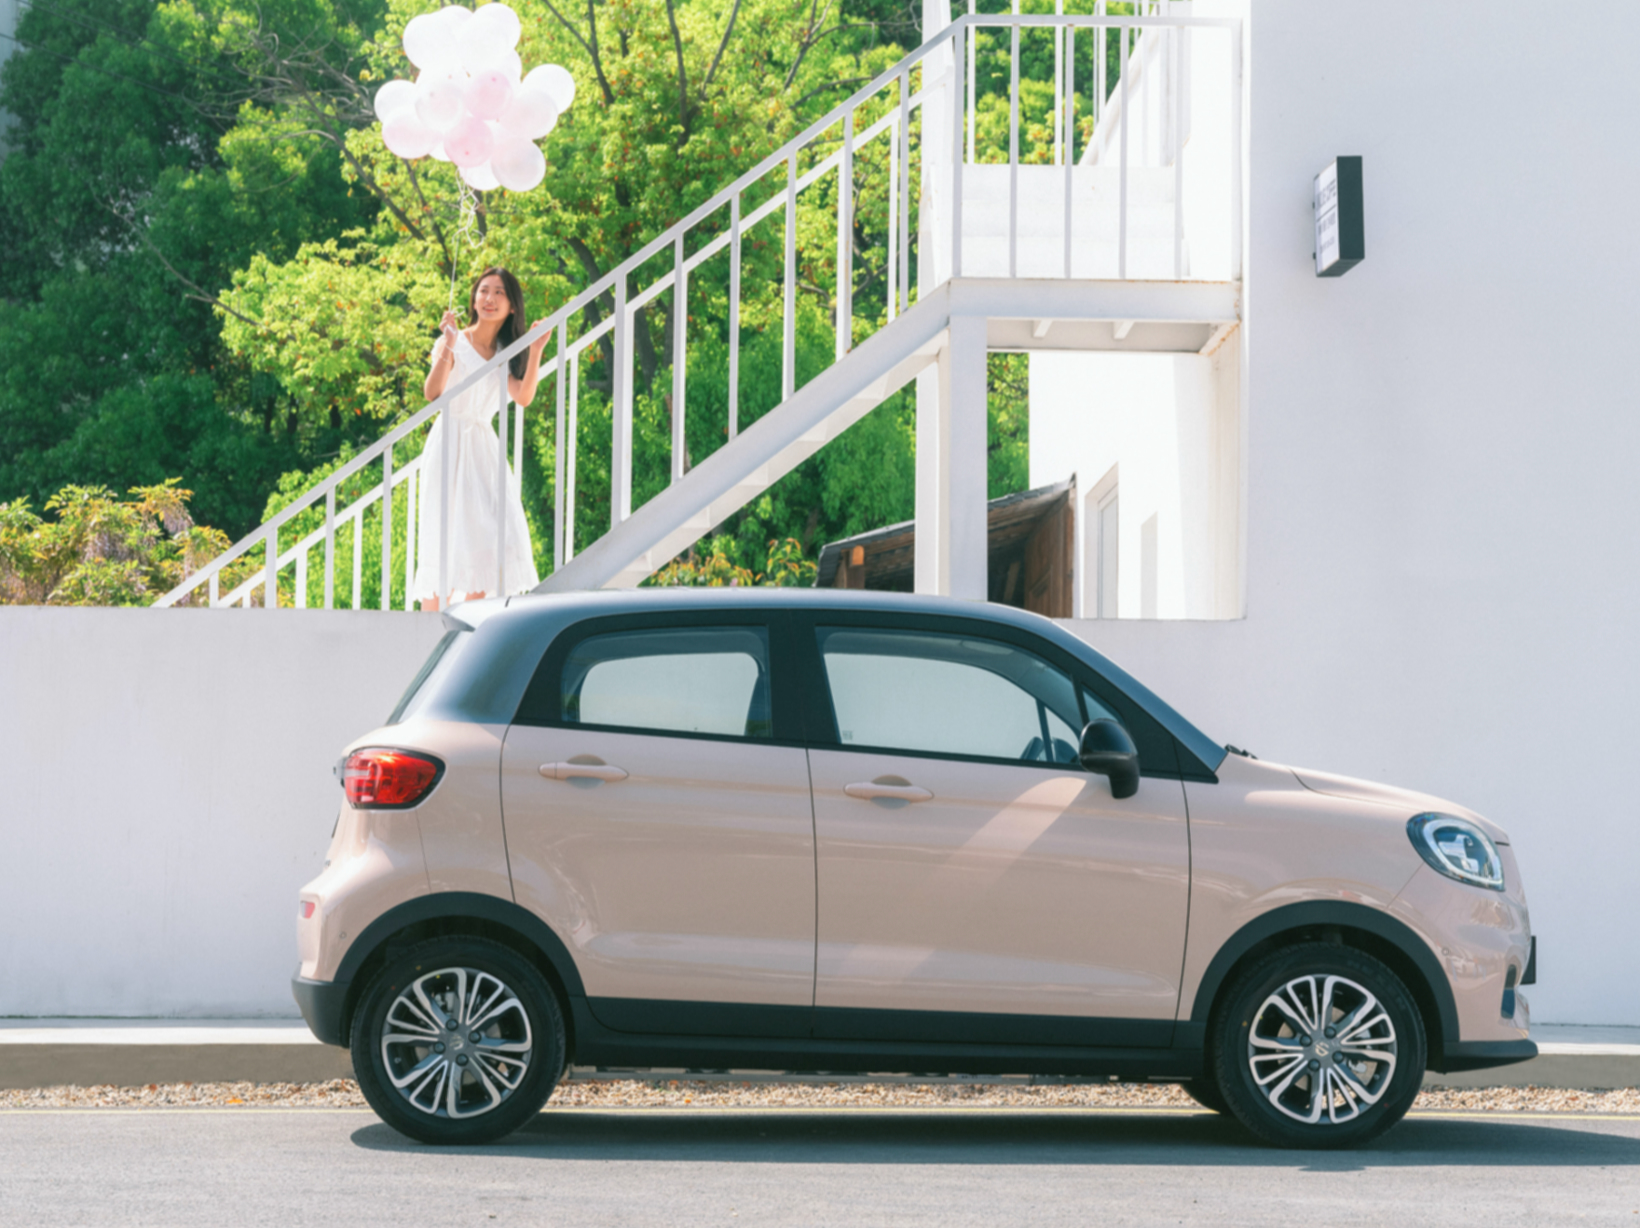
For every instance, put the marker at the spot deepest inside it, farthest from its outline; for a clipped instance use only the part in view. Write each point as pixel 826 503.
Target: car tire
pixel 1285 1037
pixel 1205 1092
pixel 458 1041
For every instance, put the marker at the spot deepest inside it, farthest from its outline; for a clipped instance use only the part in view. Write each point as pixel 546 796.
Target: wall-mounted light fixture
pixel 1340 242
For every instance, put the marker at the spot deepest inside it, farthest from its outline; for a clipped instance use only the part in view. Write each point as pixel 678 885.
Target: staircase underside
pixel 1021 314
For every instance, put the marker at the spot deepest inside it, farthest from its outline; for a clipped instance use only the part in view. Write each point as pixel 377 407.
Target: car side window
pixel 701 680
pixel 948 694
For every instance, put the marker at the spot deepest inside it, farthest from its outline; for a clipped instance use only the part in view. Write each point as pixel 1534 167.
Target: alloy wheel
pixel 456 1043
pixel 1322 1049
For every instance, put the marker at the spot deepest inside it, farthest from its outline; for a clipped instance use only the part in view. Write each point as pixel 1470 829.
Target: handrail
pixel 895 122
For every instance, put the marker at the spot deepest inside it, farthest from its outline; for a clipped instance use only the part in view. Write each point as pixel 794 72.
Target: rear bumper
pixel 324 1007
pixel 1484 1054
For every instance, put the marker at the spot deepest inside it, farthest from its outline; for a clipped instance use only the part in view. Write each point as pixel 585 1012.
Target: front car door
pixel 657 817
pixel 975 883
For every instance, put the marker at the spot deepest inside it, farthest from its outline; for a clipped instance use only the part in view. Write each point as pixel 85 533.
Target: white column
pixel 951 467
pixel 966 457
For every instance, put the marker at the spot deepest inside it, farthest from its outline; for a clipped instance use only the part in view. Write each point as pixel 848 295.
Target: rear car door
pixel 658 817
pixel 975 883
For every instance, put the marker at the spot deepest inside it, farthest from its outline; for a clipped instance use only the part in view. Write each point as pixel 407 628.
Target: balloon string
pixel 466 227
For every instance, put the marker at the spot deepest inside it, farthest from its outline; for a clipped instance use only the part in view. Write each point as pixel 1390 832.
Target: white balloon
pixel 499 23
pixel 421 39
pixel 437 151
pixel 481 177
pixel 452 19
pixel 407 136
pixel 513 66
pixel 440 100
pixel 394 97
pixel 555 79
pixel 531 114
pixel 477 53
pixel 518 165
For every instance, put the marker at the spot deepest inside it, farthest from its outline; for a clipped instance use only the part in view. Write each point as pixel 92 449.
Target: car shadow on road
pixel 980 1137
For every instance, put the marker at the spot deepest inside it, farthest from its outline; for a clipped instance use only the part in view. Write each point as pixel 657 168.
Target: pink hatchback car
pixel 854 832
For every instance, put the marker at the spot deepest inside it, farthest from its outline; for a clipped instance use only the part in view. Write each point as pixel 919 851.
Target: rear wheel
pixel 459 1040
pixel 1319 1046
pixel 1206 1093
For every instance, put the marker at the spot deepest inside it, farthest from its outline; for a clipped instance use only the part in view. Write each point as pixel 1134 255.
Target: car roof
pixel 517 631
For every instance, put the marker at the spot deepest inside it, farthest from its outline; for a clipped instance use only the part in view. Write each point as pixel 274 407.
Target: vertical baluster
pixel 1013 150
pixel 957 136
pixel 1058 85
pixel 518 445
pixel 412 534
pixel 621 440
pixel 358 558
pixel 734 315
pixel 501 488
pixel 904 137
pixel 891 277
pixel 1122 189
pixel 387 528
pixel 971 36
pixel 1176 79
pixel 215 589
pixel 1100 49
pixel 788 349
pixel 446 444
pixel 330 546
pixel 680 356
pixel 1070 134
pixel 301 577
pixel 558 446
pixel 845 240
pixel 1235 152
pixel 270 572
pixel 571 436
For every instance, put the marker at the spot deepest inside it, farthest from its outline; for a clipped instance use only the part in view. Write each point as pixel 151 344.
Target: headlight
pixel 1457 848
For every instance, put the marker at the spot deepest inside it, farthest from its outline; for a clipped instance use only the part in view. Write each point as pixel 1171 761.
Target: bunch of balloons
pixel 471 104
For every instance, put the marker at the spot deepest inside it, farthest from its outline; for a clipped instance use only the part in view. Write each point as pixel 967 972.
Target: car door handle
pixel 582 771
pixel 871 790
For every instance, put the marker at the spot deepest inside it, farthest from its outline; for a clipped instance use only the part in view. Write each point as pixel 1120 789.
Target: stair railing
pixel 909 117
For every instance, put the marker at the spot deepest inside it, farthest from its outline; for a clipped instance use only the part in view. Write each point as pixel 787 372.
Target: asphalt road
pixel 950 1167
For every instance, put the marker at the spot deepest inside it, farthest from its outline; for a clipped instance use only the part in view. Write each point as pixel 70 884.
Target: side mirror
pixel 1108 750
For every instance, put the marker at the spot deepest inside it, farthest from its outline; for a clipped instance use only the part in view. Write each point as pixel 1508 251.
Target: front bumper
pixel 324 1007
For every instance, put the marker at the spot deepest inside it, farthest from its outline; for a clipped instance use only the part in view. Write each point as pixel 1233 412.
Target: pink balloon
pixel 407 136
pixel 468 143
pixel 481 177
pixel 439 100
pixel 488 94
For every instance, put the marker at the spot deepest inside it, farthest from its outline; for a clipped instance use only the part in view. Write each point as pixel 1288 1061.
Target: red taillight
pixel 377 779
pixel 307 910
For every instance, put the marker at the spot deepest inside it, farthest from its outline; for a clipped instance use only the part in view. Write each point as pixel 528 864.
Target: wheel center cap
pixel 1322 1050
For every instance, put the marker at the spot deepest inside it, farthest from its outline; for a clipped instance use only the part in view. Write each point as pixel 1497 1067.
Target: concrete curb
pixel 127 1053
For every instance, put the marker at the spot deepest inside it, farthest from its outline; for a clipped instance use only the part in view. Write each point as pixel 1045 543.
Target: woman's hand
pixel 540 343
pixel 450 326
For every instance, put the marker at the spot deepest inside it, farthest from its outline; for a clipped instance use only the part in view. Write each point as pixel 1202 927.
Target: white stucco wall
pixel 1443 448
pixel 165 788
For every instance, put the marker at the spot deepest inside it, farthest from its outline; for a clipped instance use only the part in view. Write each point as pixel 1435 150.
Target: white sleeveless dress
pixel 467 431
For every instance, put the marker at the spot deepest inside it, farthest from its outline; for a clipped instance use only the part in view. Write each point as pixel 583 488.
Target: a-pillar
pixel 951 467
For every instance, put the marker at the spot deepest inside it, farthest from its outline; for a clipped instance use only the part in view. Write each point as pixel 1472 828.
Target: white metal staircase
pixel 1138 225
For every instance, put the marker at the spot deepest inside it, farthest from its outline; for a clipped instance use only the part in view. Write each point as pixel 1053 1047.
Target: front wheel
pixel 458 1040
pixel 1319 1046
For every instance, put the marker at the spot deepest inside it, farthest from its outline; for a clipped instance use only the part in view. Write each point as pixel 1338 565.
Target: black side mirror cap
pixel 1108 750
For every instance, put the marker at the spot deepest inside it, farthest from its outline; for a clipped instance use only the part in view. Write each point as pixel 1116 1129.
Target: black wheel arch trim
pixel 1342 915
pixel 442 906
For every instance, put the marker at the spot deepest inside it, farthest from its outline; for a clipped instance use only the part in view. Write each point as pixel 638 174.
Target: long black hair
pixel 512 328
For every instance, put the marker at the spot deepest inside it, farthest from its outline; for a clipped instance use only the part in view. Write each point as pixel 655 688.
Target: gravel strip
pixel 678 1093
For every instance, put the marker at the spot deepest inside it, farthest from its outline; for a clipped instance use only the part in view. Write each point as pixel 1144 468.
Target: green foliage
pixel 784 567
pixel 100 550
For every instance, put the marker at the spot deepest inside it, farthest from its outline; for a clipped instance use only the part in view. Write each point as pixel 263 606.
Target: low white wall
pixel 165 788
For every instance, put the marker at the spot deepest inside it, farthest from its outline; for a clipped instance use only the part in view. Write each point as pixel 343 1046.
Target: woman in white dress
pixel 466 430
